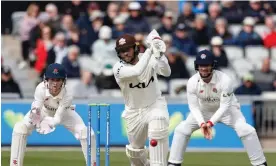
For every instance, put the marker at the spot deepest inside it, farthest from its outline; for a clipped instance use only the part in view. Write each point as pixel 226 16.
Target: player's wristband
pixel 211 123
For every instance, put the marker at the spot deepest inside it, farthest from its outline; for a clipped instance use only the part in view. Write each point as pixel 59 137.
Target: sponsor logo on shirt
pixel 142 85
pixel 53 108
pixel 227 94
pixel 211 99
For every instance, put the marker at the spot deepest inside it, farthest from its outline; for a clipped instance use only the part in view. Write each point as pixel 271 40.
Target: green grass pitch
pixel 75 158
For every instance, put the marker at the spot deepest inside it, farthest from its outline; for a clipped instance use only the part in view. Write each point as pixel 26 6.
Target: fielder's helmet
pixel 126 41
pixel 205 57
pixel 55 70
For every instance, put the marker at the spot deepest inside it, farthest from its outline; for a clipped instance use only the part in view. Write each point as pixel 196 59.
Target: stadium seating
pixel 242 66
pixel 233 52
pixel 242 60
pixel 235 29
pixel 256 55
pixel 16 20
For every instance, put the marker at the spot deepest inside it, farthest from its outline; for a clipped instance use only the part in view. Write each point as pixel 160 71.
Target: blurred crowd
pixel 82 37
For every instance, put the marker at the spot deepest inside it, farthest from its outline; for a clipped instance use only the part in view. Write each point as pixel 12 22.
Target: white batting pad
pixel 158 130
pixel 83 140
pixel 137 157
pixel 18 145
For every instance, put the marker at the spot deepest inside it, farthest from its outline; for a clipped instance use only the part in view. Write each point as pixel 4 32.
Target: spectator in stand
pixel 167 38
pixel 87 35
pixel 200 33
pixel 247 35
pixel 103 49
pixel 153 12
pixel 136 21
pixel 269 7
pixel 221 29
pixel 186 16
pixel 219 52
pixel 111 13
pixel 265 78
pixel 248 87
pixel 67 24
pixel 167 26
pixel 197 6
pixel 59 49
pixel 139 37
pixel 8 84
pixel 29 21
pixel 231 12
pixel 182 41
pixel 54 18
pixel 104 58
pixel 74 39
pixel 119 27
pixel 214 11
pixel 177 63
pixel 36 32
pixel 97 21
pixel 153 9
pixel 123 11
pixel 270 37
pixel 76 8
pixel 256 11
pixel 43 45
pixel 71 63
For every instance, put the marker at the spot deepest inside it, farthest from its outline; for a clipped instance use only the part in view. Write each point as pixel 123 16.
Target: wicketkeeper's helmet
pixel 205 57
pixel 55 70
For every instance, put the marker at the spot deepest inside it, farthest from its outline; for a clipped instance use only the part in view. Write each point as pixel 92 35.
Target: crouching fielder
pixel 211 100
pixel 145 113
pixel 52 106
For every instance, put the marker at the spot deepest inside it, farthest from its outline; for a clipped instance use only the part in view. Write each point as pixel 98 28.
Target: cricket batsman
pixel 145 113
pixel 211 100
pixel 52 106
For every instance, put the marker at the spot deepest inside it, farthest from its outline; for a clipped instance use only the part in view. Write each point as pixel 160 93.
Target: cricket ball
pixel 153 142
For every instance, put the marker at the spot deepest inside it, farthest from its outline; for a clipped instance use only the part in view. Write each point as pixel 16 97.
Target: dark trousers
pixel 25 47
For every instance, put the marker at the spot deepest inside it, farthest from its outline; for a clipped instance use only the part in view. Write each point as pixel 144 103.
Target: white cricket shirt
pixel 216 96
pixel 52 106
pixel 138 83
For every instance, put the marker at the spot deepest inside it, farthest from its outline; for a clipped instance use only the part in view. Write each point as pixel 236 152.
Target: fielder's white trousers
pixel 232 118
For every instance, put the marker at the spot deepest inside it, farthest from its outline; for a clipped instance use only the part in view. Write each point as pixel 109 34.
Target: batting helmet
pixel 126 41
pixel 55 70
pixel 205 57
